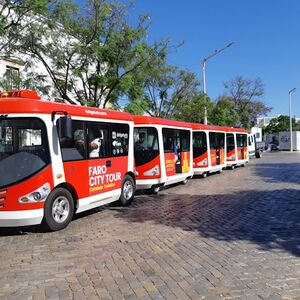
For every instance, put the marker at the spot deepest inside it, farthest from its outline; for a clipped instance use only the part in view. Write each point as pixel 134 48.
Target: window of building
pixel 12 77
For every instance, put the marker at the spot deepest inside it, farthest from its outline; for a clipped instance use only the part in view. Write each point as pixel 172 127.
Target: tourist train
pixel 57 160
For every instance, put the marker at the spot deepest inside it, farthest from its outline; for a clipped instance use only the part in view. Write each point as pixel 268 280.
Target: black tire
pixel 154 190
pixel 232 167
pixel 58 210
pixel 128 190
pixel 204 175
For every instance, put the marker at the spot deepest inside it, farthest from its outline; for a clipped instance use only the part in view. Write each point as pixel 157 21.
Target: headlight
pixel 38 195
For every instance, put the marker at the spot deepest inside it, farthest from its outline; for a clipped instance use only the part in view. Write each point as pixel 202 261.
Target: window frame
pixel 109 125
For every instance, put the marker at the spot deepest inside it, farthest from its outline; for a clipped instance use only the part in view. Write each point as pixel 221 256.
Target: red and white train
pixel 57 160
pixel 162 152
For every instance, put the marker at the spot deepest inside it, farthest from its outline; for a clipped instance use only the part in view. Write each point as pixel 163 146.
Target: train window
pixel 119 139
pixel 75 147
pixel 230 142
pixel 145 145
pixel 185 140
pixel 98 145
pixel 168 137
pixel 199 143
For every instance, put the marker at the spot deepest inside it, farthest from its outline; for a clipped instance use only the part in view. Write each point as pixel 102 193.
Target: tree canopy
pixel 93 55
pixel 247 96
pixel 281 123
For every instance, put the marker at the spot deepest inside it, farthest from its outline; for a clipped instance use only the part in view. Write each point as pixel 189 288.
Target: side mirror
pixel 65 127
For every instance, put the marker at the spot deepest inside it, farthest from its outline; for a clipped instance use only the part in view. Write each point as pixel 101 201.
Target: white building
pixel 264 121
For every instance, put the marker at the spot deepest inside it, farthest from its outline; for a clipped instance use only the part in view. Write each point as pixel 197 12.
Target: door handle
pixel 108 163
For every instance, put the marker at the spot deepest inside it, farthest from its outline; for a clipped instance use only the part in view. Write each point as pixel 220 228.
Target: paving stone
pixel 229 236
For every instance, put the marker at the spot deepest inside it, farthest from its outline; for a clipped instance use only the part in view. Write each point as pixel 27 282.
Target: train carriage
pixel 162 151
pixel 237 147
pixel 58 159
pixel 209 149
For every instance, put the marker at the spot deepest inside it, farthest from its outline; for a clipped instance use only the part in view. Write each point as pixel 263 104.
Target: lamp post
pixel 203 63
pixel 291 123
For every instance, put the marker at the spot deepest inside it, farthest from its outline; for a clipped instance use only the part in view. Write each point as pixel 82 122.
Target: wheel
pixel 243 165
pixel 127 192
pixel 204 175
pixel 232 167
pixel 155 189
pixel 58 210
pixel 185 181
pixel 220 171
pixel 258 154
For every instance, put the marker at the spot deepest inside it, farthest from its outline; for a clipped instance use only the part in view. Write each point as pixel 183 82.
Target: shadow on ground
pixel 268 219
pixel 279 172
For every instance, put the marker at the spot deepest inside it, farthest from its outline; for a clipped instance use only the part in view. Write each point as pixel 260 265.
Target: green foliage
pixel 137 107
pixel 246 95
pixel 95 56
pixel 281 123
pixel 193 110
pixel 91 55
pixel 224 112
pixel 14 13
pixel 166 88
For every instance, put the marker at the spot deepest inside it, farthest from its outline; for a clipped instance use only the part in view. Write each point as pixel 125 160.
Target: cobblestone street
pixel 230 235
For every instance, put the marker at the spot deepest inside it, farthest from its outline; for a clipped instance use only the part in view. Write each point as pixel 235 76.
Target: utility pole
pixel 203 64
pixel 291 119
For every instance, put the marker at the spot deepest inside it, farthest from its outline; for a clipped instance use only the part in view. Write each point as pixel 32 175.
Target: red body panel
pixel 91 177
pixel 185 162
pixel 159 121
pixel 242 153
pixel 213 157
pixel 231 155
pixel 200 159
pixel 148 166
pixel 222 156
pixel 25 187
pixel 31 106
pixel 170 164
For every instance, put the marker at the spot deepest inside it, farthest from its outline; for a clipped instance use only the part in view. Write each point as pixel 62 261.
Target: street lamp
pixel 203 63
pixel 291 123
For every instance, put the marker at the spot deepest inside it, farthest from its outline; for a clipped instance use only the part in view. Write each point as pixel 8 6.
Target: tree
pixel 193 109
pixel 91 54
pixel 137 107
pixel 14 13
pixel 167 88
pixel 281 123
pixel 246 95
pixel 224 113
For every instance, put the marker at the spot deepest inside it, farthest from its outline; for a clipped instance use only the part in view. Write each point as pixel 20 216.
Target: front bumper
pixel 21 217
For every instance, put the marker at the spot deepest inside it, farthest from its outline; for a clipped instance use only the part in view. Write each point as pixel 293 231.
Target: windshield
pixel 23 149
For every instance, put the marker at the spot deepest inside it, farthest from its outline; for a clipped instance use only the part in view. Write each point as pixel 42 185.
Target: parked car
pixel 273 146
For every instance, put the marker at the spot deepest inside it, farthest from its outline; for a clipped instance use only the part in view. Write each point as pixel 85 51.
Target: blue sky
pixel 266 32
